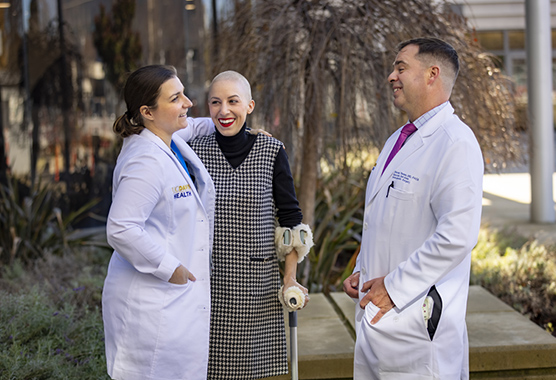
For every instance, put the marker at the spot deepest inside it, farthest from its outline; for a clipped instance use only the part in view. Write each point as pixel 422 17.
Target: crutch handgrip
pixel 292 298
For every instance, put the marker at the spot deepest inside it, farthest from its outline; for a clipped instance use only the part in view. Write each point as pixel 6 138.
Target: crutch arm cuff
pixel 299 238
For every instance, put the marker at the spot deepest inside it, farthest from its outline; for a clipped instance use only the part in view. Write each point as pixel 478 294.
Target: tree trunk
pixel 309 164
pixel 3 162
pixel 35 143
pixel 215 47
pixel 66 90
pixel 309 169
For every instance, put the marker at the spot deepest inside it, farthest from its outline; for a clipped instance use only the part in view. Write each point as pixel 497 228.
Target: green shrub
pixel 42 339
pixel 338 225
pixel 522 274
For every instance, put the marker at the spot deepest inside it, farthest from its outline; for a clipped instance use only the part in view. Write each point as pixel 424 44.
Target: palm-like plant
pixel 31 225
pixel 338 219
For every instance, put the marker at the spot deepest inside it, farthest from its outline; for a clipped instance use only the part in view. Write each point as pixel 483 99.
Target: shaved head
pixel 236 77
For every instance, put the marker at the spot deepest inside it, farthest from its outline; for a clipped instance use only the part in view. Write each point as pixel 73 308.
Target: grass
pixel 42 340
pixel 51 324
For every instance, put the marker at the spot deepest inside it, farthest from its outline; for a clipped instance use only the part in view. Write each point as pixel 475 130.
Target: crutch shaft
pixel 293 344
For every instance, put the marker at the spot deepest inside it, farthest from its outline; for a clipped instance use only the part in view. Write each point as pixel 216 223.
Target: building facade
pixel 501 29
pixel 171 32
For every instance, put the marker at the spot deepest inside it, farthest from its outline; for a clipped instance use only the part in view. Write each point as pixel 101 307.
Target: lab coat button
pixel 365 225
pixel 364 271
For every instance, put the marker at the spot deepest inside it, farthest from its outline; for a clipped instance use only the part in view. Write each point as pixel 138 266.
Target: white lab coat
pixel 422 219
pixel 155 330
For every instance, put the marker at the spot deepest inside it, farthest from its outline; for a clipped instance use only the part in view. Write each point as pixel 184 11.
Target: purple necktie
pixel 407 130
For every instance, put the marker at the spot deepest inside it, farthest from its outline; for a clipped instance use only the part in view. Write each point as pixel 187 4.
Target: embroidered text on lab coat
pixel 182 191
pixel 401 176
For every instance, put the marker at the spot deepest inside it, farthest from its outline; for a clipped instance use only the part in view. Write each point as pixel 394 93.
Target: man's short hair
pixel 437 49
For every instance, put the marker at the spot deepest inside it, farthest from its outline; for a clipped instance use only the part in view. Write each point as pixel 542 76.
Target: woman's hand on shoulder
pixel 257 131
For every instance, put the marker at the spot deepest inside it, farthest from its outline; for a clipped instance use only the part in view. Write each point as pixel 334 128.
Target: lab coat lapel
pixel 416 141
pixel 156 140
pixel 376 180
pixel 203 181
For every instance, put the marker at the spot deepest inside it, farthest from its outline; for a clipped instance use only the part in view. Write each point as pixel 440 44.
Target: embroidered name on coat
pixel 407 178
pixel 182 191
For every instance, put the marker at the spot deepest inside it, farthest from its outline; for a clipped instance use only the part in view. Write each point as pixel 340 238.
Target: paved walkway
pixel 506 205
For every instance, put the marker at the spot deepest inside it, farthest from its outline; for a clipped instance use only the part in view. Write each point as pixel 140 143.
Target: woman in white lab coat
pixel 156 298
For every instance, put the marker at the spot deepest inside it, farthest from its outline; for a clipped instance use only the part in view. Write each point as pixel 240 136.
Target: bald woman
pixel 258 223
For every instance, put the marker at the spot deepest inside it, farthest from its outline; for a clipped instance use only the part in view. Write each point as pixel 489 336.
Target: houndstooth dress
pixel 247 333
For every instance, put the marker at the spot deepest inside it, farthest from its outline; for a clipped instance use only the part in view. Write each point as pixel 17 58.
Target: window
pixel 520 72
pixel 517 39
pixel 491 40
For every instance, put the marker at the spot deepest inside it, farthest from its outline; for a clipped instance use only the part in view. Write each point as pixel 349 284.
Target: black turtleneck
pixel 236 148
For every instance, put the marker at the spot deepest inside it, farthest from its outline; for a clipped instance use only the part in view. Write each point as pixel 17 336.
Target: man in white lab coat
pixel 422 218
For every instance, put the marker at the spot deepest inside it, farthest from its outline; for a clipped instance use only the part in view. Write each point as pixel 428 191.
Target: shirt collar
pixel 422 120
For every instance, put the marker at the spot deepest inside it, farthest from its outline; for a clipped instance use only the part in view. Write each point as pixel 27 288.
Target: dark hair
pixel 142 88
pixel 436 48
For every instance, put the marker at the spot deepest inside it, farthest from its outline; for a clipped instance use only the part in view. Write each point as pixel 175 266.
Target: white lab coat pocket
pixel 400 194
pixel 401 206
pixel 182 337
pixel 174 295
pixel 165 329
pixel 176 334
pixel 399 342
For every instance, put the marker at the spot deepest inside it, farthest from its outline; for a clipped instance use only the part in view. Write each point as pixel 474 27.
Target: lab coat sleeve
pixel 139 189
pixel 455 201
pixel 357 267
pixel 198 126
